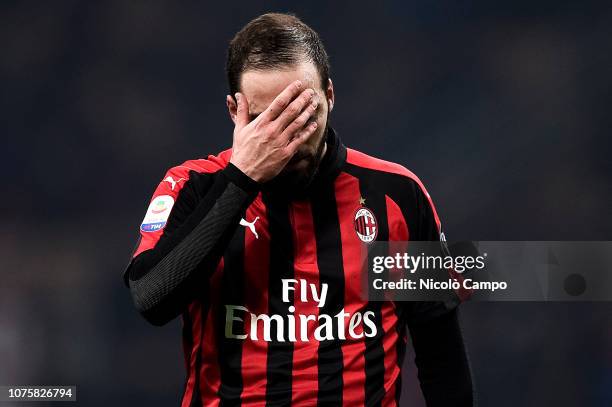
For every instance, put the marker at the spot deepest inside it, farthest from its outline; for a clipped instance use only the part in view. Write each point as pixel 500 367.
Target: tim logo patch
pixel 157 214
pixel 366 225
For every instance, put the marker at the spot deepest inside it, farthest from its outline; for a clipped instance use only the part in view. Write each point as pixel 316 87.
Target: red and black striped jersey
pixel 273 309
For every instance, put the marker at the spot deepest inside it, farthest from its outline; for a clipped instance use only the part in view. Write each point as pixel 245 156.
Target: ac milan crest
pixel 366 225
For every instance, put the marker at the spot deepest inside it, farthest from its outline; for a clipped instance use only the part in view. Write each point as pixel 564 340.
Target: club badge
pixel 366 225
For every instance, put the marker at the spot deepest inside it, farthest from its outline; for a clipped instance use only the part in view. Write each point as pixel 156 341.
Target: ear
pixel 329 94
pixel 232 107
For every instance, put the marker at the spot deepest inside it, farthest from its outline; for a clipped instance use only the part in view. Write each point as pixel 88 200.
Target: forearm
pixel 441 359
pixel 165 280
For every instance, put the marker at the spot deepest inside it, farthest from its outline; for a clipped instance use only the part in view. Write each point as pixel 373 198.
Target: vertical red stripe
pixel 210 377
pixel 362 160
pixel 305 380
pixel 256 268
pixel 398 231
pixel 195 313
pixel 353 373
pixel 398 228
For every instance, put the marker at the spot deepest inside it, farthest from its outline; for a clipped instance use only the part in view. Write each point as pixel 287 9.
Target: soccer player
pixel 259 248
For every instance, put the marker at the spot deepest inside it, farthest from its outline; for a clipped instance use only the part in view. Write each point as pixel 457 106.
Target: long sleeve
pixel 165 278
pixel 442 362
pixel 441 358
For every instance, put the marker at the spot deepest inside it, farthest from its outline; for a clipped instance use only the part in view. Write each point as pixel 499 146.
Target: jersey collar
pixel 329 168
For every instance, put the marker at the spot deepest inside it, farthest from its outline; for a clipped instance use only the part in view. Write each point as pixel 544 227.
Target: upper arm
pixel 174 199
pixel 420 213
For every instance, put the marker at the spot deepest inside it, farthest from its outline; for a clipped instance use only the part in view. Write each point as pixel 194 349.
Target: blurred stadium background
pixel 501 107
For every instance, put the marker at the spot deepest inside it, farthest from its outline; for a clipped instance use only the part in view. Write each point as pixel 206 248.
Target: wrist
pixel 246 170
pixel 240 178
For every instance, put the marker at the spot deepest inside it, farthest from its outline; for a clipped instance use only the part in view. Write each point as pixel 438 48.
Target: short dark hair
pixel 274 40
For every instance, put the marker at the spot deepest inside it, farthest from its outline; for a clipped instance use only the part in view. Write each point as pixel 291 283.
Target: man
pixel 259 249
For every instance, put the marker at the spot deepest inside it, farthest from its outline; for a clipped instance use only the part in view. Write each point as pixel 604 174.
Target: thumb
pixel 242 110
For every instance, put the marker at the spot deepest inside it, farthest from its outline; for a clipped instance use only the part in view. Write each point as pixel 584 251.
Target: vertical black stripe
pixel 331 272
pixel 374 354
pixel 404 192
pixel 230 349
pixel 280 354
pixel 400 352
pixel 401 314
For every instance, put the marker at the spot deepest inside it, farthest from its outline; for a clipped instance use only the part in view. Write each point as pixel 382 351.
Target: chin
pixel 299 177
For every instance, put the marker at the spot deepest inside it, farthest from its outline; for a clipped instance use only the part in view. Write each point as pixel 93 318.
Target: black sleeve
pixel 165 279
pixel 427 230
pixel 442 362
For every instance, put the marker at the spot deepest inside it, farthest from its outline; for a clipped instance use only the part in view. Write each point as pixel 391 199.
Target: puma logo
pixel 250 225
pixel 172 182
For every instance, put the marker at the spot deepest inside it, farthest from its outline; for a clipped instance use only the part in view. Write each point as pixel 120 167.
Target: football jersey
pixel 280 318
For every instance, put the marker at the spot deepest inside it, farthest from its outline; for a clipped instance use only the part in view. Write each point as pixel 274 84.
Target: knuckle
pixel 282 101
pixel 284 153
pixel 263 132
pixel 308 95
pixel 300 121
pixel 286 134
pixel 293 110
pixel 272 128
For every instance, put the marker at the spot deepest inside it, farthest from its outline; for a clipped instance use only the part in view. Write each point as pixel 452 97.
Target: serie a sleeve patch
pixel 157 214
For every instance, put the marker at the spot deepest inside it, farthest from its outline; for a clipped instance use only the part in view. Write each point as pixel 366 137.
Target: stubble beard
pixel 295 182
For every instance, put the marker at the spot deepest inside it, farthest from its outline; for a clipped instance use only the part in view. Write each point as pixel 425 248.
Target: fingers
pixel 300 121
pixel 279 104
pixel 242 111
pixel 300 138
pixel 295 109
